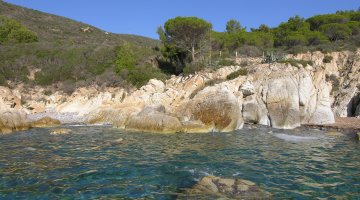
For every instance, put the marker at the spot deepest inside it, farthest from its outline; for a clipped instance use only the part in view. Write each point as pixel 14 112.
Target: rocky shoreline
pixel 278 95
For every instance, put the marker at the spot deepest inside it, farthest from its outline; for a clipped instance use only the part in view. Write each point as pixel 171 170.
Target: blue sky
pixel 142 17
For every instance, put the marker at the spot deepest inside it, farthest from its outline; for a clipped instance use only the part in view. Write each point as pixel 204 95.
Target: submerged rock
pixel 45 122
pixel 212 187
pixel 335 134
pixel 60 131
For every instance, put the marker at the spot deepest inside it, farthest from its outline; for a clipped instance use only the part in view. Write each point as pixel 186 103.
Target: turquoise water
pixel 90 164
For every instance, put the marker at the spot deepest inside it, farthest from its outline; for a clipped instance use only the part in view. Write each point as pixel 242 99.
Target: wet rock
pixel 60 131
pixel 335 134
pixel 154 119
pixel 12 120
pixel 212 187
pixel 45 122
pixel 217 108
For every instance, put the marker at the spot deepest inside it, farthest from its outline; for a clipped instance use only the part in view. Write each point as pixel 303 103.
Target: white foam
pixel 294 138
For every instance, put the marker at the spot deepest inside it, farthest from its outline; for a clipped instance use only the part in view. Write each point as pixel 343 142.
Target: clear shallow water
pixel 89 164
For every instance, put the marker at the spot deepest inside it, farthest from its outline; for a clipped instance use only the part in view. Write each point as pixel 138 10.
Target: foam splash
pixel 294 138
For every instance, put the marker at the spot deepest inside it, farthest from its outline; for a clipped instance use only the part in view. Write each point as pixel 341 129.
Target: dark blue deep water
pixel 89 164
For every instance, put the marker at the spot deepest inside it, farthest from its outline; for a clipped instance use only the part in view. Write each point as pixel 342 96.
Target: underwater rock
pixel 60 131
pixel 212 187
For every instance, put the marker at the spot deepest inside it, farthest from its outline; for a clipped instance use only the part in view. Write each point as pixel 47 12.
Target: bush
pixel 297 63
pixel 240 72
pixel 2 80
pixel 334 82
pixel 125 58
pixel 250 51
pixel 14 32
pixel 47 92
pixel 141 75
pixel 226 62
pixel 327 59
pixel 193 67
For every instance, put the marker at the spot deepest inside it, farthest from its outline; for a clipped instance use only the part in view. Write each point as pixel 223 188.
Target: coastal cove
pixel 99 161
pixel 199 113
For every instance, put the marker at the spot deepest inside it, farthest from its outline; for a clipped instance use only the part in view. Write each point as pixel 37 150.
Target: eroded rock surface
pixel 212 187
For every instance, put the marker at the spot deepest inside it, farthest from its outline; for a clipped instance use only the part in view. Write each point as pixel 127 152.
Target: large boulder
pixel 12 120
pixel 114 116
pixel 283 102
pixel 255 111
pixel 154 119
pixel 212 187
pixel 216 107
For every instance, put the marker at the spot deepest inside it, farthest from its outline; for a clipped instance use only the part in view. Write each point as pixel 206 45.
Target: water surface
pixel 90 164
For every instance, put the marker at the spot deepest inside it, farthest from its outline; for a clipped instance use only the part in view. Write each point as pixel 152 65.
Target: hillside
pixel 67 52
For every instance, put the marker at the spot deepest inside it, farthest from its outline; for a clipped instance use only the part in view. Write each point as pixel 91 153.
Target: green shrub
pixel 240 72
pixel 125 58
pixel 327 59
pixel 47 92
pixel 334 82
pixel 141 75
pixel 193 67
pixel 2 80
pixel 297 63
pixel 226 62
pixel 14 32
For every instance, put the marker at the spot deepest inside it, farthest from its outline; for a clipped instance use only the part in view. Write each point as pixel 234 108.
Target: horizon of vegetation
pixel 66 54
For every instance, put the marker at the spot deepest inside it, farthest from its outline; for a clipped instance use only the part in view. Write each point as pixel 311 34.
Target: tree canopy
pixel 185 34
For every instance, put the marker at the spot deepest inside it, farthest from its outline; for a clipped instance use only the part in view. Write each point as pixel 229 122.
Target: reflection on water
pixel 94 162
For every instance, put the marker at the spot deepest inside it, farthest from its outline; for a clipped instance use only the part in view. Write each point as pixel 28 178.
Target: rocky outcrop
pixel 45 122
pixel 216 107
pixel 12 120
pixel 277 95
pixel 286 97
pixel 212 187
pixel 154 119
pixel 11 117
pixel 342 71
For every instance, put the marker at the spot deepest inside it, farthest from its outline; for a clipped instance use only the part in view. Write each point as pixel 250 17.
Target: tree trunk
pixel 193 52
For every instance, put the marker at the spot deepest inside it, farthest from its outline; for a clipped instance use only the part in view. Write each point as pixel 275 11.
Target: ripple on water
pixel 100 162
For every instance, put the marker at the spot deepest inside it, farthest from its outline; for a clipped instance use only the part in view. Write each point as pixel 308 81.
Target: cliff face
pixel 342 69
pixel 277 95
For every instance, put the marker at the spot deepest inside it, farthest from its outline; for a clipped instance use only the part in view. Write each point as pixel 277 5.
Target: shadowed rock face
pixel 212 187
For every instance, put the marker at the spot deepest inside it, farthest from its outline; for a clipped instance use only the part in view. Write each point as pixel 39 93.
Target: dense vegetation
pixel 327 33
pixel 43 49
pixel 65 53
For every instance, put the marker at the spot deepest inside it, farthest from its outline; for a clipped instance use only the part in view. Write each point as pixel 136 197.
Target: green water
pixel 89 164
